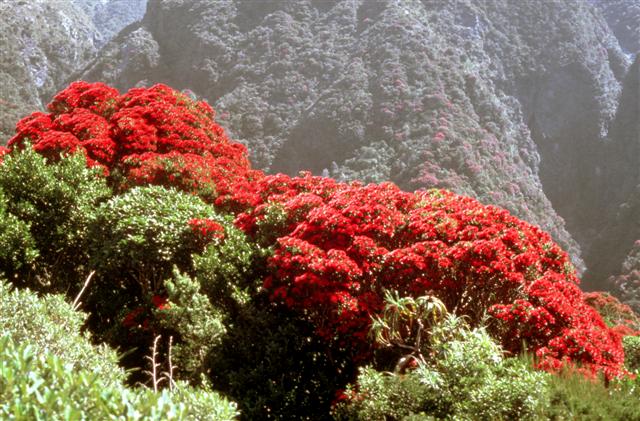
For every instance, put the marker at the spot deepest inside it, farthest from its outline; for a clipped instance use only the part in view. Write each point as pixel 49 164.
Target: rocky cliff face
pixel 626 284
pixel 43 42
pixel 111 16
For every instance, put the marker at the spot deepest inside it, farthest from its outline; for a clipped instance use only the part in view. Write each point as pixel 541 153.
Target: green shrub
pixel 230 271
pixel 273 365
pixel 632 353
pixel 193 322
pixel 467 379
pixel 18 251
pixel 140 235
pixel 167 264
pixel 573 397
pixel 56 202
pixel 137 239
pixel 49 324
pixel 458 373
pixel 42 386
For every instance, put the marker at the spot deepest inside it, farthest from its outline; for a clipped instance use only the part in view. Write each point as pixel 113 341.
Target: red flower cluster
pixel 623 319
pixel 337 246
pixel 140 316
pixel 206 230
pixel 149 135
pixel 3 152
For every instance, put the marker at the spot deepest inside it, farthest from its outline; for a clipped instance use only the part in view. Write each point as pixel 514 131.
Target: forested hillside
pixel 320 209
pixel 467 96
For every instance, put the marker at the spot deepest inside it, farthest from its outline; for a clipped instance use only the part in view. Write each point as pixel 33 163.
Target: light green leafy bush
pixel 467 379
pixel 42 386
pixel 167 264
pixel 56 203
pixel 195 323
pixel 226 270
pixel 50 325
pixel 137 239
pixel 632 353
pixel 140 235
pixel 17 247
pixel 458 372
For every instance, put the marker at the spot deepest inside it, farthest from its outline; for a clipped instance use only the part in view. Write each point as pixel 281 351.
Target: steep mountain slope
pixel 627 284
pixel 509 102
pixel 42 42
pixel 617 235
pixel 471 96
pixel 623 17
pixel 110 16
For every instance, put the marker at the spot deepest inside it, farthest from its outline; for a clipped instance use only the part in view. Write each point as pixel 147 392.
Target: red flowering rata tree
pixel 338 246
pixel 147 136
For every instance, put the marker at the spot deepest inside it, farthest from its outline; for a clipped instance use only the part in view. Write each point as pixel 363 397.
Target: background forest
pixel 231 283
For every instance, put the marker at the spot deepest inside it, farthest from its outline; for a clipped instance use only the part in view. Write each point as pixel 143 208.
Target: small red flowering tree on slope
pixel 616 314
pixel 338 247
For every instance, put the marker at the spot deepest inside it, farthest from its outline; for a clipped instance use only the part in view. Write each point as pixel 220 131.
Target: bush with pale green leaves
pixel 139 236
pixel 50 325
pixel 465 377
pixel 52 208
pixel 39 386
pixel 632 353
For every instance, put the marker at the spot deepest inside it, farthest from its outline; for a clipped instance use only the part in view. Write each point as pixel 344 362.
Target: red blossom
pixel 337 246
pixel 160 302
pixel 131 319
pixel 3 152
pixel 207 230
pixel 148 135
pixel 616 314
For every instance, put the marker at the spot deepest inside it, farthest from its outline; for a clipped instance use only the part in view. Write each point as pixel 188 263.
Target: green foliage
pixel 140 235
pixel 460 373
pixel 386 396
pixel 271 363
pixel 573 397
pixel 56 203
pixel 405 325
pixel 145 248
pixel 227 269
pixel 632 353
pixel 466 379
pixel 17 247
pixel 196 324
pixel 49 324
pixel 480 383
pixel 42 386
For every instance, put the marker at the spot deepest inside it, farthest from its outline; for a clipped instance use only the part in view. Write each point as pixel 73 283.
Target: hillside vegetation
pixel 232 293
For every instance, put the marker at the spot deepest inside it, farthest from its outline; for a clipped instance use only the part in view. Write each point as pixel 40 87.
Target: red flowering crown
pixel 339 246
pixel 147 136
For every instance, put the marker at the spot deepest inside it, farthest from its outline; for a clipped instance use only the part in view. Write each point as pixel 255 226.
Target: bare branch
pixel 76 302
